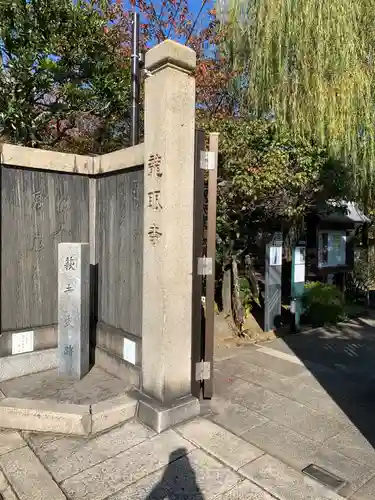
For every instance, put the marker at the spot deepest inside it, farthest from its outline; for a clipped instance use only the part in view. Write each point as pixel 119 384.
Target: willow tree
pixel 311 64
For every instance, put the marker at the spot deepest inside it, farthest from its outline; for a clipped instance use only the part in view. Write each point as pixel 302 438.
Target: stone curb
pixel 112 412
pixel 65 418
pixel 44 416
pixel 26 363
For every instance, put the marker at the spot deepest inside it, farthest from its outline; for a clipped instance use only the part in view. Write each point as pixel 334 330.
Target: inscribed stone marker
pixel 74 308
pixel 272 298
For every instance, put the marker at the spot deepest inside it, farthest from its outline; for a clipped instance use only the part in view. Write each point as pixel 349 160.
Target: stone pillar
pixel 273 274
pixel 168 236
pixel 73 309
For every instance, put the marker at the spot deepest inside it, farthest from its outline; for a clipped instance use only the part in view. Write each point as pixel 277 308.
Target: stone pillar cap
pixel 170 53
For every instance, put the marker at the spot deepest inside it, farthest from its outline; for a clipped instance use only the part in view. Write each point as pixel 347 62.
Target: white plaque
pixel 300 255
pixel 299 273
pixel 204 266
pixel 208 160
pixel 129 351
pixel 22 342
pixel 276 254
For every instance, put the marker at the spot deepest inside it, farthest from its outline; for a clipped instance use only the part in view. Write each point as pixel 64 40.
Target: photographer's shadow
pixel 178 481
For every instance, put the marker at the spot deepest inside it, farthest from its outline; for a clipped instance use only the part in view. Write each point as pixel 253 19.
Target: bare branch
pixel 195 22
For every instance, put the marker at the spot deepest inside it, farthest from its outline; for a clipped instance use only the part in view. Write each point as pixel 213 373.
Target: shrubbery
pixel 323 303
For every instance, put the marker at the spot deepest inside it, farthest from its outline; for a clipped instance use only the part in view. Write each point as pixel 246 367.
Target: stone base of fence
pixel 44 337
pixel 27 363
pixel 162 416
pixel 65 418
pixel 117 366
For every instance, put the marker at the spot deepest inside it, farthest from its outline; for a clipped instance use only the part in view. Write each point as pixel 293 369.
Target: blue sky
pixel 194 6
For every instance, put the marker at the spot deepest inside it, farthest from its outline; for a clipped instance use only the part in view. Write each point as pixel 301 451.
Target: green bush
pixel 323 303
pixel 245 295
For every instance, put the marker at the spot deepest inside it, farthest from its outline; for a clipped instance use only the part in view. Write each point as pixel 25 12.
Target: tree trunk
pixel 226 292
pixel 251 277
pixel 239 314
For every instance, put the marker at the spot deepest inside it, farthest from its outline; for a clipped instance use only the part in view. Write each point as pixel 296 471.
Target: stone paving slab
pixel 96 386
pixel 328 381
pixel 256 398
pixel 10 440
pixel 226 386
pixel 27 476
pixel 219 442
pixel 6 492
pixel 322 402
pixel 9 494
pixel 282 385
pixel 68 456
pixel 46 438
pixel 196 476
pixel 299 452
pixel 241 368
pixel 367 492
pixel 114 474
pixel 304 420
pixel 287 356
pixel 276 365
pixel 283 443
pixel 353 444
pixel 356 474
pixel 285 411
pixel 234 417
pixel 246 490
pixel 351 347
pixel 285 482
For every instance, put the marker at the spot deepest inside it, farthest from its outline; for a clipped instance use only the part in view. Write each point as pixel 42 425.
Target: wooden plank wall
pixel 120 247
pixel 38 210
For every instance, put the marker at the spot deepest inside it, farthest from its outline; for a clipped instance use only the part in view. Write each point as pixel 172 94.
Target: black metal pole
pixel 135 79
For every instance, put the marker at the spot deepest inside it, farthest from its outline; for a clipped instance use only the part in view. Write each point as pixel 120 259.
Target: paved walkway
pixel 277 409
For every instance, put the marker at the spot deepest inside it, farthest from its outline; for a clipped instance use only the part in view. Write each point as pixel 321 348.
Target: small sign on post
pixel 73 309
pixel 272 298
pixel 298 281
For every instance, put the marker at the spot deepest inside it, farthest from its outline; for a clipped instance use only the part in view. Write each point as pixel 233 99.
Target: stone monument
pixel 73 309
pixel 272 299
pixel 168 236
pixel 298 281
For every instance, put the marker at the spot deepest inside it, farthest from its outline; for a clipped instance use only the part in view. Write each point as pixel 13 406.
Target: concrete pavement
pixel 273 414
pixel 198 460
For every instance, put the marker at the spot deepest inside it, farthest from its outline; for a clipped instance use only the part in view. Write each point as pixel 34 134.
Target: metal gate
pixel 204 249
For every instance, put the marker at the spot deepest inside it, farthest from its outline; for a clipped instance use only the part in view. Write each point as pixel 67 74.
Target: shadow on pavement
pixel 178 481
pixel 342 360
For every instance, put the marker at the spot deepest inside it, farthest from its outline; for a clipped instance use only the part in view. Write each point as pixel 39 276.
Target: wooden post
pixel 211 254
pixel 198 322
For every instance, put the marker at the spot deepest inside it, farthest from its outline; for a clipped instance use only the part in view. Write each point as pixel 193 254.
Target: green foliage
pixel 268 179
pixel 323 303
pixel 245 295
pixel 61 74
pixel 310 63
pixel 362 277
